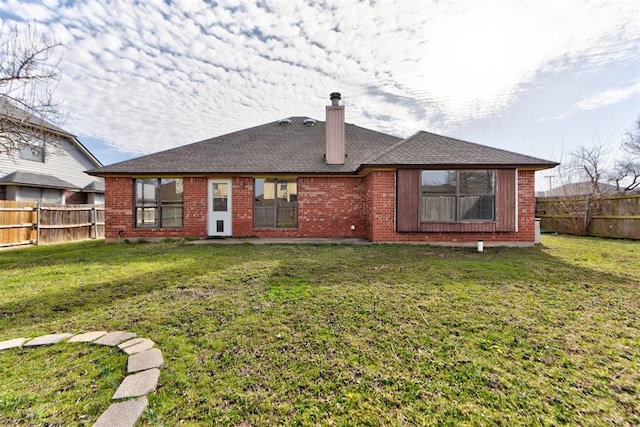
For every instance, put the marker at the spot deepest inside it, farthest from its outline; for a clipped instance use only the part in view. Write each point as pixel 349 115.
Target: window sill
pixel 458 227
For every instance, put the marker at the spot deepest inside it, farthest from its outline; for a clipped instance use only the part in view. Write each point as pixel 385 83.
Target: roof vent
pixel 309 122
pixel 284 122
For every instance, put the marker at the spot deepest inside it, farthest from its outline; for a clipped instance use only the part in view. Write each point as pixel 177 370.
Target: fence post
pixel 38 215
pixel 587 208
pixel 94 219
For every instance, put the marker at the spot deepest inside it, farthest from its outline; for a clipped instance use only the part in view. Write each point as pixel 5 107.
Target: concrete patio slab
pixel 145 360
pixel 16 342
pixel 123 414
pixel 281 240
pixel 138 384
pixel 87 336
pixel 115 338
pixel 47 339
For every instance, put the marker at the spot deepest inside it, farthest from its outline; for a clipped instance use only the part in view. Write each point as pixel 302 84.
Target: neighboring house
pixel 46 164
pixel 579 189
pixel 300 177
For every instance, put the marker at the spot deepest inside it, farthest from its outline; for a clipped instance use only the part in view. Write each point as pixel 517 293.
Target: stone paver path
pixel 143 366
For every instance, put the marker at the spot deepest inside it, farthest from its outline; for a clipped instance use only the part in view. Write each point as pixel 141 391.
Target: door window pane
pixel 220 197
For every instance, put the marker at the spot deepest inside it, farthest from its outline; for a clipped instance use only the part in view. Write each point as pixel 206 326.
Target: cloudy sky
pixel 536 77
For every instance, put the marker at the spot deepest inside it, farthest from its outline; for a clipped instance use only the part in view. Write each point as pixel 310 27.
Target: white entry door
pixel 219 207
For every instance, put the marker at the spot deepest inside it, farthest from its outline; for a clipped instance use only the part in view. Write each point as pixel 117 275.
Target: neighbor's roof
pixel 30 179
pixel 96 186
pixel 296 148
pixel 425 148
pixel 19 117
pixel 578 189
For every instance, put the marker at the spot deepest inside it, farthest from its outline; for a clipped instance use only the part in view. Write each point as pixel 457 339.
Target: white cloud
pixel 152 75
pixel 608 97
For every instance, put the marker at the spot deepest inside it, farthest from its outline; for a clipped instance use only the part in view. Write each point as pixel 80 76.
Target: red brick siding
pixel 120 217
pixel 75 198
pixel 327 207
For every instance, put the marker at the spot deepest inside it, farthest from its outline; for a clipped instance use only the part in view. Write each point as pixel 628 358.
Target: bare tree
pixel 627 171
pixel 631 140
pixel 579 198
pixel 29 73
pixel 589 162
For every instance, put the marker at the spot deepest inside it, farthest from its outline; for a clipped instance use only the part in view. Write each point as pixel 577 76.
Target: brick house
pixel 300 177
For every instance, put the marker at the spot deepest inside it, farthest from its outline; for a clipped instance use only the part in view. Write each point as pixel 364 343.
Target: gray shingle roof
pixel 268 148
pixel 30 179
pixel 296 148
pixel 425 148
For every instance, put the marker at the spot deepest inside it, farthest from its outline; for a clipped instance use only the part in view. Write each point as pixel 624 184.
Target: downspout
pixel 517 201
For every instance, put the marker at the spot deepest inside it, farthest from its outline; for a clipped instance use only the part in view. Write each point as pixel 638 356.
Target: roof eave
pixel 523 166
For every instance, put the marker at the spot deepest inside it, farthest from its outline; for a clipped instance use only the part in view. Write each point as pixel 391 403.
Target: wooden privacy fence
pixel 609 216
pixel 24 223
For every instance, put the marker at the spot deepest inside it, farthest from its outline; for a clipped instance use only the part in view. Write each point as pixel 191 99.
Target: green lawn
pixel 331 334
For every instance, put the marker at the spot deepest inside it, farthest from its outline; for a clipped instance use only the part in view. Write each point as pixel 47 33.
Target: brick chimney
pixel 335 131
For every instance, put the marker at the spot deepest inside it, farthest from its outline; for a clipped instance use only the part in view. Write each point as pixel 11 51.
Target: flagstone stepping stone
pixel 16 342
pixel 47 339
pixel 130 342
pixel 138 384
pixel 123 414
pixel 143 345
pixel 143 363
pixel 115 338
pixel 87 336
pixel 145 360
